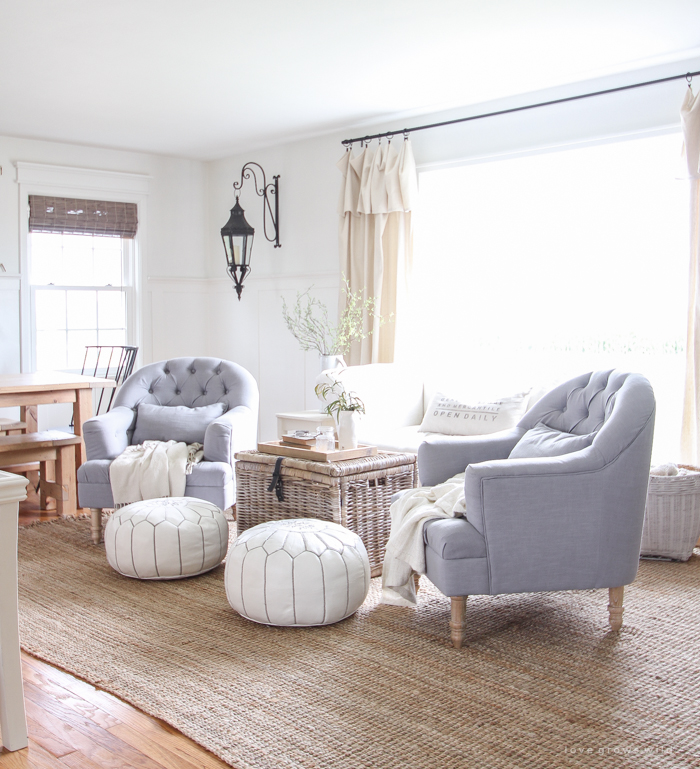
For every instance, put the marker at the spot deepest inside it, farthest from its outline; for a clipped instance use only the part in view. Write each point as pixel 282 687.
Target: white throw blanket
pixel 152 469
pixel 405 550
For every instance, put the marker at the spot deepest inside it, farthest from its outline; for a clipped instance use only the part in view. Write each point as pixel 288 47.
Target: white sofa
pixel 396 397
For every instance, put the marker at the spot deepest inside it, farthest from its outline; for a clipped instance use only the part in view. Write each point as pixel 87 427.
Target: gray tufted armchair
pixel 542 522
pixel 188 382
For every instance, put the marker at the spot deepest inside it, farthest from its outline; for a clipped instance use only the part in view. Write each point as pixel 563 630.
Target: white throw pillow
pixel 543 441
pixel 450 416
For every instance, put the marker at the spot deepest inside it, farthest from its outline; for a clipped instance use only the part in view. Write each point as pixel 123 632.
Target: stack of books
pixel 306 440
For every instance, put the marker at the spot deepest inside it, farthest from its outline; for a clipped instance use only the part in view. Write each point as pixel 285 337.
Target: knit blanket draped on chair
pixel 405 549
pixel 153 469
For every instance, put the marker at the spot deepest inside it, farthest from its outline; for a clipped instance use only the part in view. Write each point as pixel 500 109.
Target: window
pixel 80 295
pixel 549 265
pixel 80 275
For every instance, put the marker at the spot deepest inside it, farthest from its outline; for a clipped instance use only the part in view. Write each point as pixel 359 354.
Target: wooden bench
pixel 8 426
pixel 50 448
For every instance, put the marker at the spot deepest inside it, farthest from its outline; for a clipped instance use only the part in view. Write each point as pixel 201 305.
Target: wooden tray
pixel 278 448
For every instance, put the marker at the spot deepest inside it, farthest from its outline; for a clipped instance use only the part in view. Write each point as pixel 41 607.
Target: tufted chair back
pixel 614 405
pixel 190 382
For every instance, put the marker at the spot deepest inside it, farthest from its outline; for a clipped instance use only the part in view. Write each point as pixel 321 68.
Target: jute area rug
pixel 540 682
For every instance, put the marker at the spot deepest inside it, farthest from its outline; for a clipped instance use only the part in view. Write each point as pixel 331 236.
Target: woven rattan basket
pixel 355 493
pixel 672 518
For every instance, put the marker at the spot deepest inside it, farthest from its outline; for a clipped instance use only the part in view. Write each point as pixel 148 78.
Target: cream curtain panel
pixel 377 195
pixel 690 436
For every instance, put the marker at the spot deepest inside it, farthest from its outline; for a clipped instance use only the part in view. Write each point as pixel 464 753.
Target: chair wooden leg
pixel 416 581
pixel 96 524
pixel 457 619
pixel 615 607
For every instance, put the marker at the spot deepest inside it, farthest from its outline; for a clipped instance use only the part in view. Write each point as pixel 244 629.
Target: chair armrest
pixel 442 456
pixel 485 484
pixel 558 523
pixel 236 430
pixel 106 435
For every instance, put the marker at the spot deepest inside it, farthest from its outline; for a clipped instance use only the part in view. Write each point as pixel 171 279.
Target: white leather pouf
pixel 299 572
pixel 166 538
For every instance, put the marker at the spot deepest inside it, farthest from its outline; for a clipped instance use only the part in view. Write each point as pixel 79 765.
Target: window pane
pixel 108 261
pixel 50 309
pixel 50 350
pixel 45 258
pixel 78 244
pixel 77 341
pixel 112 336
pixel 77 262
pixel 82 309
pixel 111 310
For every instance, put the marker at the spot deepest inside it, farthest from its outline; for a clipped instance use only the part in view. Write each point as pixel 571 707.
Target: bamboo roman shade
pixel 82 217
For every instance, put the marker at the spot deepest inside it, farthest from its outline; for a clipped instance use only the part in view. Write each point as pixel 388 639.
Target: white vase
pixel 347 429
pixel 332 362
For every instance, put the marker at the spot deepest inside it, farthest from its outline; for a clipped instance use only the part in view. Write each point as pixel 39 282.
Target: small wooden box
pixel 355 493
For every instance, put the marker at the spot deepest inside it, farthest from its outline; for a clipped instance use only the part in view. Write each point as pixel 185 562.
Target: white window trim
pixel 69 182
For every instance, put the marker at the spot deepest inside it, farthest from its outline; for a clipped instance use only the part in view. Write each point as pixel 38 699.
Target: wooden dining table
pixel 41 387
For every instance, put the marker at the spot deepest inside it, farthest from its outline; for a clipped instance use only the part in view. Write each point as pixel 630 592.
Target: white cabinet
pixel 13 722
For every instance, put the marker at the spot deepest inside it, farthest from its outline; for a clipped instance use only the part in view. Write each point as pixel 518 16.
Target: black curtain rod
pixel 406 131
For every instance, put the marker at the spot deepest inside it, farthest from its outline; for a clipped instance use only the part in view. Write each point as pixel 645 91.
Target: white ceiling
pixel 212 78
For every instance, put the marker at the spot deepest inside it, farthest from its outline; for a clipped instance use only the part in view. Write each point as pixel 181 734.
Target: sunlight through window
pixel 554 264
pixel 79 289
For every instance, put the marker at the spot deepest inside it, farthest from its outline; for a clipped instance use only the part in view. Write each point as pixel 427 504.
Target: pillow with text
pixel 450 416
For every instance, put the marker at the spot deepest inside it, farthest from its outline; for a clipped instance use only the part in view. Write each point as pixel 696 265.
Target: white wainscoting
pixel 9 331
pixel 9 323
pixel 204 317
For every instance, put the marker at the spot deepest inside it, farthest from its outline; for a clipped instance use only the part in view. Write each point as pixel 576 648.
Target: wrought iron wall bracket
pixel 265 192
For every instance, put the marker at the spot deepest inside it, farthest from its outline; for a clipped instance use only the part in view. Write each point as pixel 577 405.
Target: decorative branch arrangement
pixel 308 321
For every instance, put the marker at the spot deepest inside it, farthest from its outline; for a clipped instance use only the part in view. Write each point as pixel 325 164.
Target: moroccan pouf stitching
pixel 299 573
pixel 168 538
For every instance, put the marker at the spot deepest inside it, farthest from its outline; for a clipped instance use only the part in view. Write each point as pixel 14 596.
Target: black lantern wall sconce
pixel 237 234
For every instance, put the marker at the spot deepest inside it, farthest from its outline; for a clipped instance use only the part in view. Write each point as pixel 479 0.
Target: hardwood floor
pixel 73 724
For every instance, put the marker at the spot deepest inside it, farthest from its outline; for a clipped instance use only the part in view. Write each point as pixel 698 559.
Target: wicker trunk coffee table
pixel 355 493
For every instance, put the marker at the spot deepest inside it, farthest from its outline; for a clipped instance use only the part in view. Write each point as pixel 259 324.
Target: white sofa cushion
pixel 405 439
pixel 392 394
pixel 395 395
